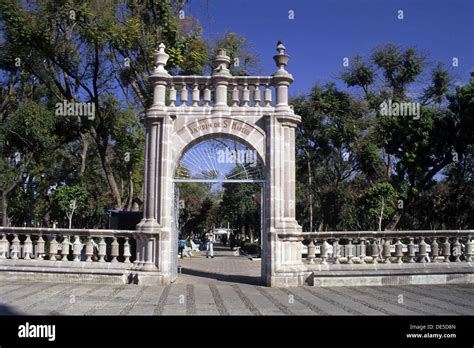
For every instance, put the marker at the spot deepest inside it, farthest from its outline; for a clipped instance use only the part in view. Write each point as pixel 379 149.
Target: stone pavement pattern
pixel 229 285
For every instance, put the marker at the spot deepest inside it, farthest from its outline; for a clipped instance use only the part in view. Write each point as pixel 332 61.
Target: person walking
pixel 209 244
pixel 181 246
pixel 224 239
pixel 232 241
pixel 188 248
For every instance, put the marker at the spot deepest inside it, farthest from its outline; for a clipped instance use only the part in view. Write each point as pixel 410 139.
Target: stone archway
pixel 195 130
pixel 237 106
pixel 213 163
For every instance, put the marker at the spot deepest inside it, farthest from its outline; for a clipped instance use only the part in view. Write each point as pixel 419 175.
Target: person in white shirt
pixel 209 236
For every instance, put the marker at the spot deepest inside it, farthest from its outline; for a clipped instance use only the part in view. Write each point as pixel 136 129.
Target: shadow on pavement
pixel 241 279
pixel 7 310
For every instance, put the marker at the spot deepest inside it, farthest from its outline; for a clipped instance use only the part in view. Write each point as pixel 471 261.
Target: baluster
pixel 143 251
pixel 196 94
pixel 3 246
pixel 257 95
pixel 172 95
pixel 89 249
pixel 399 250
pixel 336 251
pixel 15 251
pixel 184 95
pixel 434 250
pixel 207 96
pixel 53 248
pixel 138 253
pixel 446 249
pixel 65 248
pixel 324 252
pixel 235 95
pixel 268 96
pixel 350 254
pixel 115 250
pixel 126 251
pixel 468 250
pixel 102 249
pixel 27 248
pixel 386 251
pixel 76 248
pixel 456 250
pixel 245 95
pixel 362 250
pixel 375 251
pixel 422 253
pixel 40 250
pixel 411 250
pixel 311 252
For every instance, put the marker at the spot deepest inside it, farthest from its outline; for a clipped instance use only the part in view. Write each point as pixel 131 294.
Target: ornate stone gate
pixel 186 110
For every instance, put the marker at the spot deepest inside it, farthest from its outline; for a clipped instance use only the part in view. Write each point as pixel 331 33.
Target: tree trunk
pixel 46 219
pixel 130 191
pixel 393 224
pixel 381 215
pixel 109 175
pixel 85 148
pixel 389 166
pixel 11 187
pixel 4 209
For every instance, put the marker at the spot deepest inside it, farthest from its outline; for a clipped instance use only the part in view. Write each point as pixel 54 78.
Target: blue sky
pixel 323 32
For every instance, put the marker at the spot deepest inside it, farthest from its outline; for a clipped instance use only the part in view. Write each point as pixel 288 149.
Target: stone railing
pixel 199 91
pixel 221 92
pixel 376 258
pixel 66 245
pixel 339 248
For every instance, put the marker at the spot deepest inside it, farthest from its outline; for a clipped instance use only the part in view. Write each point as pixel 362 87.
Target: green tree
pixel 71 200
pixel 195 207
pixel 346 148
pixel 240 207
pixel 84 52
pixel 329 140
pixel 27 139
pixel 377 206
pixel 243 61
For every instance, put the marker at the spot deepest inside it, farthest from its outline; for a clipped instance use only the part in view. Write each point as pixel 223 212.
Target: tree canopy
pixel 357 167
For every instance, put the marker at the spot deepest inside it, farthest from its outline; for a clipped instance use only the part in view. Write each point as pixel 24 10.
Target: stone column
pixel 151 229
pixel 283 264
pixel 220 77
pixel 281 80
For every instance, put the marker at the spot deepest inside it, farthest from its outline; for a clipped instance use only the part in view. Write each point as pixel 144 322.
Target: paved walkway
pixel 228 285
pixel 225 267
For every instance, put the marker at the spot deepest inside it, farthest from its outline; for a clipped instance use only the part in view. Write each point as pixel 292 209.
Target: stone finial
pixel 221 62
pixel 161 58
pixel 281 59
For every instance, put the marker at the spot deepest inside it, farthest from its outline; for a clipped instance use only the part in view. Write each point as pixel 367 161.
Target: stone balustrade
pixel 221 92
pixel 378 258
pixel 388 247
pixel 199 91
pixel 66 245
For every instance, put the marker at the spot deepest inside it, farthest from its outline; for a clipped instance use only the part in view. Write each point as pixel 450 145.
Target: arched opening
pixel 218 186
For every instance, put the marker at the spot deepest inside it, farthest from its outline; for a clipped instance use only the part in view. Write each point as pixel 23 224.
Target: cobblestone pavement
pixel 229 285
